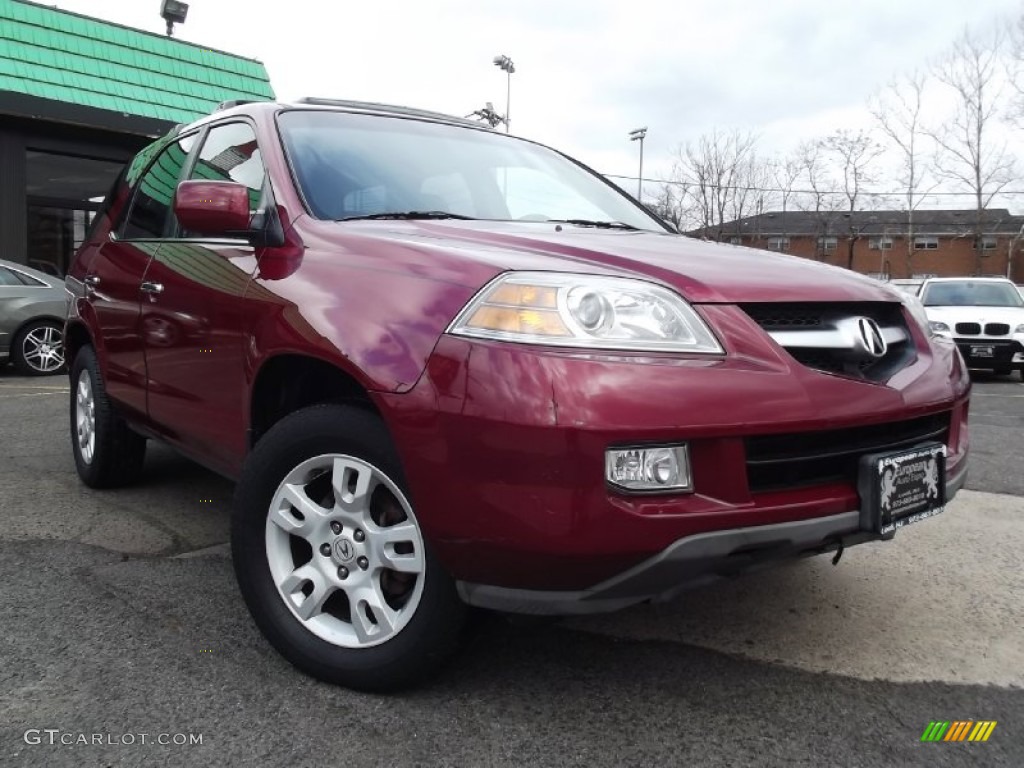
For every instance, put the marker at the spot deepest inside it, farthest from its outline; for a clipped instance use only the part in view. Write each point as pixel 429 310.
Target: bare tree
pixel 670 204
pixel 897 109
pixel 784 173
pixel 1015 71
pixel 714 169
pixel 823 201
pixel 853 154
pixel 968 152
pixel 751 193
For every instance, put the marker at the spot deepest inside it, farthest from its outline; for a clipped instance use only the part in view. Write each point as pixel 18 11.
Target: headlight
pixel 939 327
pixel 1019 329
pixel 917 311
pixel 570 310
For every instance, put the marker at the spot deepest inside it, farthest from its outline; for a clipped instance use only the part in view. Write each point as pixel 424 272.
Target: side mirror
pixel 219 208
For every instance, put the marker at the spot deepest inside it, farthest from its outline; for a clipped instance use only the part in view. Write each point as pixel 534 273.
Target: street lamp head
pixel 504 63
pixel 638 134
pixel 173 12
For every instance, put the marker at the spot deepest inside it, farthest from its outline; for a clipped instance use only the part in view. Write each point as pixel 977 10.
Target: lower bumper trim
pixel 692 561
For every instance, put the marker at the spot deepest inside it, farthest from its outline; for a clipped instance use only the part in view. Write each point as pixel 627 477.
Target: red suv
pixel 449 367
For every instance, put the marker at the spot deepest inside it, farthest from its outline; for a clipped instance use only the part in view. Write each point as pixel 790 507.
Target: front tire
pixel 107 453
pixel 331 559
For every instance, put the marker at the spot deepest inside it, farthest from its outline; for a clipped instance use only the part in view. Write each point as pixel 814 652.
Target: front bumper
pixel 503 448
pixel 1006 353
pixel 691 562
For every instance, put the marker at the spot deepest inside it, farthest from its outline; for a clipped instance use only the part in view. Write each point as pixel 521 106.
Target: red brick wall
pixel 954 257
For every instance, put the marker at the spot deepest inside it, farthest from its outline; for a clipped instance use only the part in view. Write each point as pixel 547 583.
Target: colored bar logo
pixel 958 730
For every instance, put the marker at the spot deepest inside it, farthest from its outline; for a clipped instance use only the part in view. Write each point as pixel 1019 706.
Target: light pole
pixel 639 135
pixel 505 63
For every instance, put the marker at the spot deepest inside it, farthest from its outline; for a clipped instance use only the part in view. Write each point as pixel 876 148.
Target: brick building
pixel 942 243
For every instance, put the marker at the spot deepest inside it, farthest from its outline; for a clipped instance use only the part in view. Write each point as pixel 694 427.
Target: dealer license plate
pixel 902 487
pixel 977 351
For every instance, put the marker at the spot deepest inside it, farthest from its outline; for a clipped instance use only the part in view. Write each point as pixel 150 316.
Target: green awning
pixel 64 57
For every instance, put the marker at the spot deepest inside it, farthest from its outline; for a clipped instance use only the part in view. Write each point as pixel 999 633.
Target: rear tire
pixel 107 453
pixel 38 349
pixel 330 557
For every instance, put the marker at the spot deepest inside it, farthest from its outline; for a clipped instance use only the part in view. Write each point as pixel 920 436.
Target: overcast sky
pixel 589 71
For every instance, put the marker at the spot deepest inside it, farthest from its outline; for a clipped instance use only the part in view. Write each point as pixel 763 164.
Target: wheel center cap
pixel 344 549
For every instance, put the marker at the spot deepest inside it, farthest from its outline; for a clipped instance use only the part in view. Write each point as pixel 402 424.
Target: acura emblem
pixel 871 337
pixel 344 549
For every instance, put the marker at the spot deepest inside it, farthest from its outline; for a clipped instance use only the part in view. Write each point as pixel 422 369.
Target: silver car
pixel 32 312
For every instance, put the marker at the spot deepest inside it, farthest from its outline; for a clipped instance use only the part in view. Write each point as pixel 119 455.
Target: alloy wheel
pixel 85 417
pixel 345 551
pixel 43 349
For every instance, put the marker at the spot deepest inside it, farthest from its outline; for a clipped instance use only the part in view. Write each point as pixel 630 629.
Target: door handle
pixel 151 287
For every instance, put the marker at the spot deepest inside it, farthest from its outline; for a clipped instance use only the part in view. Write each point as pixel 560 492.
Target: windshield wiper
pixel 598 224
pixel 409 215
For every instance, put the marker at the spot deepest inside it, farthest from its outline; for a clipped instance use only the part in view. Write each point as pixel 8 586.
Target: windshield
pixel 972 293
pixel 353 166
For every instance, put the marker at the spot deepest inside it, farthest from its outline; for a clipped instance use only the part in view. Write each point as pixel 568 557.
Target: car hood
pixel 1013 316
pixel 703 272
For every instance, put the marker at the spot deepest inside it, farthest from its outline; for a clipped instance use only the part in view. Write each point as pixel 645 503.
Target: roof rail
pixel 234 103
pixel 369 106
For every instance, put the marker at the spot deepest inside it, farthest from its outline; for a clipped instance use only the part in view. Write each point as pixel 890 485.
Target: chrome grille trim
pixel 829 337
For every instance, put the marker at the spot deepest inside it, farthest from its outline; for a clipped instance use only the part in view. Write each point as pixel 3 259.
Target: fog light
pixel 662 468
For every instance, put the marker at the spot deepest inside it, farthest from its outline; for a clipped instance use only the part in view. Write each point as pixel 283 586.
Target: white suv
pixel 984 315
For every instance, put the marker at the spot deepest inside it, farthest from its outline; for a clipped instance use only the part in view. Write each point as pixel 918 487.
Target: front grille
pixel 968 329
pixel 776 462
pixel 997 329
pixel 780 317
pixel 808 332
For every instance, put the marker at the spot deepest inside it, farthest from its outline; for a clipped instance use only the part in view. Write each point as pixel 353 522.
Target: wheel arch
pixel 287 382
pixel 76 336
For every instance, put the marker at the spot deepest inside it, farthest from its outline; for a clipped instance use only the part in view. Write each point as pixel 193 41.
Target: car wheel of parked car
pixel 1007 371
pixel 331 559
pixel 107 453
pixel 38 349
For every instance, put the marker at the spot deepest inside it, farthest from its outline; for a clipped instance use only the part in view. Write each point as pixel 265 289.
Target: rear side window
pixel 28 279
pixel 230 153
pixel 150 215
pixel 14 277
pixel 7 277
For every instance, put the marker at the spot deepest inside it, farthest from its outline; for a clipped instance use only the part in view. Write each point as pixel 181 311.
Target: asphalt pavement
pixel 121 628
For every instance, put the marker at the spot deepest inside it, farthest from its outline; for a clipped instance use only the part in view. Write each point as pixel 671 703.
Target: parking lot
pixel 120 617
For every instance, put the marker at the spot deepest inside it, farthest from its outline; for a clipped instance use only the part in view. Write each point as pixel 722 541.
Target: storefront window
pixel 64 193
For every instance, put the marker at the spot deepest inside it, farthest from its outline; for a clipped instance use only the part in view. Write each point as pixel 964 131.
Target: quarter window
pixel 151 216
pixel 28 279
pixel 7 277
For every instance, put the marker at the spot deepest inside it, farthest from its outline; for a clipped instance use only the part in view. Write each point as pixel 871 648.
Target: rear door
pixel 114 278
pixel 192 316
